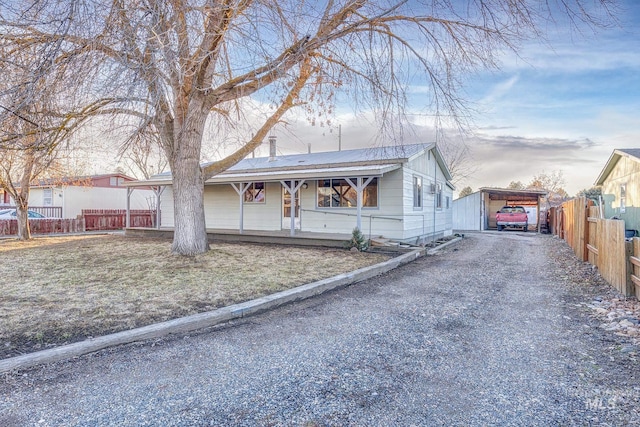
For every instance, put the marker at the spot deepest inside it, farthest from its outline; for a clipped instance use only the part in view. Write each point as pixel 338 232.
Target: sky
pixel 562 105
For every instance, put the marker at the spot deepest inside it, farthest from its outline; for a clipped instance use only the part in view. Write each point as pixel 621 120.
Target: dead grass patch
pixel 57 290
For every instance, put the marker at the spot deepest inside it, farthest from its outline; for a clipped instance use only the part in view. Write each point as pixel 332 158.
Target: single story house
pixel 67 197
pixel 401 192
pixel 477 211
pixel 620 181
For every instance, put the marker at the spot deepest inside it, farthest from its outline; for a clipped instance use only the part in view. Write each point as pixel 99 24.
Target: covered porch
pixel 250 188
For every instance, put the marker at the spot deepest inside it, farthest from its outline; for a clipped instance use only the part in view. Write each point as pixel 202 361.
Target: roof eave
pixel 608 167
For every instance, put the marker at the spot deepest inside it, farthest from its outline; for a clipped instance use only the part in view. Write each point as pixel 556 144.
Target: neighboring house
pixel 74 194
pixel 477 211
pixel 620 181
pixel 402 193
pixel 5 199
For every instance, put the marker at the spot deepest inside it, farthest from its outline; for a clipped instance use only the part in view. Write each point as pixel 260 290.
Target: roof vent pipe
pixel 272 148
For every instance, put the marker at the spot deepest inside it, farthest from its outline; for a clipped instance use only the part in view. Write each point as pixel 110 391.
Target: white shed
pixel 477 211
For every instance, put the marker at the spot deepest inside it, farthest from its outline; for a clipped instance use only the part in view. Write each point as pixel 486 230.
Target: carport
pixel 477 211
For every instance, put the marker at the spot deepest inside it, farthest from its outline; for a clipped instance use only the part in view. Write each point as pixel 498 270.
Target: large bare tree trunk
pixel 190 233
pixel 24 231
pixel 22 197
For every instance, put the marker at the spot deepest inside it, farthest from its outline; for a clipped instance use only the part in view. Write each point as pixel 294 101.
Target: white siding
pixel 429 220
pixel 222 208
pixel 166 207
pixel 382 221
pixel 73 199
pixel 467 213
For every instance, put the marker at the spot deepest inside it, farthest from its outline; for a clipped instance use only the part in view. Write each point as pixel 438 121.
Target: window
pixel 255 193
pixel 47 197
pixel 337 193
pixel 417 191
pixel 439 195
pixel 448 205
pixel 623 198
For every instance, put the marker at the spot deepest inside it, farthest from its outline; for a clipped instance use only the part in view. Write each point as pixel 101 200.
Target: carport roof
pixel 514 195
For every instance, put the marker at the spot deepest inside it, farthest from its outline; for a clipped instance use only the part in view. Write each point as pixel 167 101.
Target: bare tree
pixel 552 182
pixel 516 185
pixel 176 65
pixel 465 192
pixel 142 155
pixel 33 121
pixel 457 156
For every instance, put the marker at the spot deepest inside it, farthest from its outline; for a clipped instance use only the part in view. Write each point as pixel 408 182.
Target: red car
pixel 512 216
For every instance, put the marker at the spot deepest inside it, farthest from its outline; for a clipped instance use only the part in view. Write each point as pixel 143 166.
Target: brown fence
pixel 116 219
pixel 9 227
pixel 601 242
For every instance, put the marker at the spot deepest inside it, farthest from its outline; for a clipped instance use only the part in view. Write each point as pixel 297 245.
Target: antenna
pixel 339 137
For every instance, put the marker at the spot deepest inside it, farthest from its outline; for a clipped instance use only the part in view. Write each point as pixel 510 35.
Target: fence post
pixel 630 287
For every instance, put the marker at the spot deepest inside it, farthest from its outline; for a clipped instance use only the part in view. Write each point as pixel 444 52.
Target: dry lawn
pixel 57 290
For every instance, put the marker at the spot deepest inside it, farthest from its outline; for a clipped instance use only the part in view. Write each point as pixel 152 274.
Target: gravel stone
pixel 499 331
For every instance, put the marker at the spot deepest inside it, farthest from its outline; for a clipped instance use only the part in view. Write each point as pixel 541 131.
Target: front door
pixel 286 210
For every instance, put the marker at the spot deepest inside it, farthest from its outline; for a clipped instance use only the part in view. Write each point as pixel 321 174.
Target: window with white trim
pixel 417 191
pixel 47 197
pixel 438 195
pixel 337 193
pixel 255 193
pixel 623 198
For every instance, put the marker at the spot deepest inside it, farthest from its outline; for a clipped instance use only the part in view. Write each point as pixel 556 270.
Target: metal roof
pixel 331 164
pixel 390 154
pixel 631 153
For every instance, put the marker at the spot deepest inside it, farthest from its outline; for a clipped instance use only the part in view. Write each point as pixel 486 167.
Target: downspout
pixel 435 194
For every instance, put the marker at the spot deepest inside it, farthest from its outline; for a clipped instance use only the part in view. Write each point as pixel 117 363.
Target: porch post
pixel 241 189
pixel 359 187
pixel 159 190
pixel 128 215
pixel 292 189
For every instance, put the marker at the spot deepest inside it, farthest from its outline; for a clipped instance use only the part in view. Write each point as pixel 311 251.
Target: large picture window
pixel 255 193
pixel 337 193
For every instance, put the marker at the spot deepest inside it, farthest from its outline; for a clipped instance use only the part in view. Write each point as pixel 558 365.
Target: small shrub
pixel 358 241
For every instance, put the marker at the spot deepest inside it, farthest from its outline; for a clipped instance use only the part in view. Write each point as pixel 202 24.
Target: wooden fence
pixel 91 220
pixel 9 227
pixel 599 241
pixel 116 219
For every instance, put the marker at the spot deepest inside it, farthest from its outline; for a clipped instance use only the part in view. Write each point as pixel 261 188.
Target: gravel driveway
pixel 493 331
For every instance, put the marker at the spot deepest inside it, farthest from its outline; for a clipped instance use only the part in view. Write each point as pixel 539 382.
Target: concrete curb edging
pixel 207 319
pixel 444 245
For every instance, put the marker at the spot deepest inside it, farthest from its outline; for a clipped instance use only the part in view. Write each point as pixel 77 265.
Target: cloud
pixel 499 90
pixel 548 145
